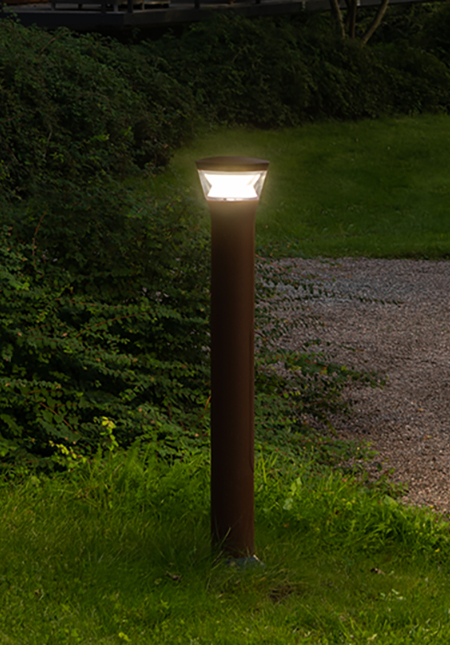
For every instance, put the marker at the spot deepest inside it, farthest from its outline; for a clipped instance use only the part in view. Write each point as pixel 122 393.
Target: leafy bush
pixel 402 22
pixel 302 72
pixel 350 80
pixel 80 108
pixel 73 356
pixel 240 70
pixel 434 35
pixel 419 81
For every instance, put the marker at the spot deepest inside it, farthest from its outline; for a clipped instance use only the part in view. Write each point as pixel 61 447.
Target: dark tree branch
pixel 376 21
pixel 352 18
pixel 337 16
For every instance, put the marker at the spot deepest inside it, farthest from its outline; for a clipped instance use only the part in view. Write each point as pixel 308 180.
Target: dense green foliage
pixel 304 72
pixel 104 301
pixel 78 109
pixel 104 291
pixel 128 347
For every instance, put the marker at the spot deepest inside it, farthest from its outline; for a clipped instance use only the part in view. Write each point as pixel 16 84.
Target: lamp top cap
pixel 232 164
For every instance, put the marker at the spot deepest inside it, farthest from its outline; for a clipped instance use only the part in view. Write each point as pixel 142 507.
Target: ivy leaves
pixel 68 358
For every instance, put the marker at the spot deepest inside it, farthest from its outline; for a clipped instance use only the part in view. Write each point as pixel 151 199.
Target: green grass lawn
pixel 373 188
pixel 119 553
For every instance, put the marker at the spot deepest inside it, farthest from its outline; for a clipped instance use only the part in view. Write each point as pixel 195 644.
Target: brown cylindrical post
pixel 232 375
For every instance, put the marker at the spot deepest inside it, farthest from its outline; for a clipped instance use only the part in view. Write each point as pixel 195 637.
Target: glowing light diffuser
pixel 232 186
pixel 232 178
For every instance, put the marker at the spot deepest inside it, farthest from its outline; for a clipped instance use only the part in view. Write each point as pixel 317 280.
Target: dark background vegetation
pixel 104 290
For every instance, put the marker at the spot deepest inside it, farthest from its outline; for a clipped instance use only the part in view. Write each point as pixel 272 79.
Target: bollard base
pixel 250 562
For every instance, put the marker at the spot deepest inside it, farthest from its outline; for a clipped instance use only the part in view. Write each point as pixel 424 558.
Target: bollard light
pixel 232 187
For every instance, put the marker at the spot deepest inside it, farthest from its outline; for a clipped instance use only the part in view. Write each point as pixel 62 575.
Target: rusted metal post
pixel 232 367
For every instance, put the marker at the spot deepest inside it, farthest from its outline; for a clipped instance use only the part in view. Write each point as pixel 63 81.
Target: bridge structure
pixel 92 15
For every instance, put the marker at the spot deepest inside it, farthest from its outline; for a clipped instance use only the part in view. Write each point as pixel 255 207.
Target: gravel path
pixel 408 421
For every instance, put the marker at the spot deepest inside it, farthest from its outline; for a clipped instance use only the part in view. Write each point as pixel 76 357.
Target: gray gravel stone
pixel 392 316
